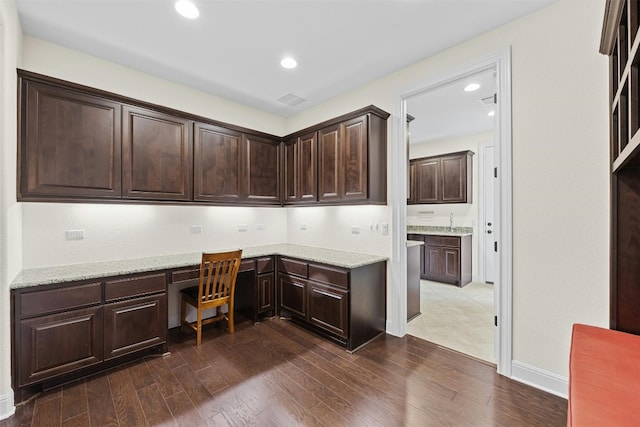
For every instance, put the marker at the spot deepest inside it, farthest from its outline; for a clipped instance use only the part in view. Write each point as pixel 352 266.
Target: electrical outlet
pixel 385 229
pixel 74 234
pixel 303 226
pixel 243 227
pixel 195 229
pixel 259 226
pixel 355 229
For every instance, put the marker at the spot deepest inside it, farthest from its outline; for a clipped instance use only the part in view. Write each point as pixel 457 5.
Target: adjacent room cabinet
pixel 620 41
pixel 441 179
pixel 82 144
pixel 347 306
pixel 445 259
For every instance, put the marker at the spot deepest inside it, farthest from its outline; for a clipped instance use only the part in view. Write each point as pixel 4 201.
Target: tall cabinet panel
pixel 301 176
pixel 620 41
pixel 355 159
pixel 69 144
pixel 428 181
pixel 156 155
pixel 218 163
pixel 329 163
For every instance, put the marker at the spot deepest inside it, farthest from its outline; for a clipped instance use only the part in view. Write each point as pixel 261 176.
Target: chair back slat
pixel 218 272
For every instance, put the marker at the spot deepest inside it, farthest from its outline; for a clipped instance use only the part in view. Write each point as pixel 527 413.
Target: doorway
pixel 500 63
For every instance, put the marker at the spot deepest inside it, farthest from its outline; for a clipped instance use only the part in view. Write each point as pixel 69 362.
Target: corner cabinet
pixel 447 178
pixel 351 152
pixel 69 329
pixel 620 41
pixel 347 306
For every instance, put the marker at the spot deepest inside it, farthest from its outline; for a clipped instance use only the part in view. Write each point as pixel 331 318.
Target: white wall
pixel 464 214
pixel 10 210
pixel 560 168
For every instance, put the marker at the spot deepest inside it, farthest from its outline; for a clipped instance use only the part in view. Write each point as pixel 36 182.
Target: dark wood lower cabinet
pixel 445 259
pixel 348 306
pixel 255 288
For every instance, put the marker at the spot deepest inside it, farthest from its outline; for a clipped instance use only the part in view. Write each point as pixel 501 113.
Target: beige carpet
pixel 457 318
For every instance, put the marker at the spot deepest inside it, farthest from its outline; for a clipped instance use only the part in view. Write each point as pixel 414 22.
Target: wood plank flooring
pixel 277 374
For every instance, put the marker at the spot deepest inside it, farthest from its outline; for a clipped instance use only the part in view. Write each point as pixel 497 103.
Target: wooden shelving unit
pixel 621 43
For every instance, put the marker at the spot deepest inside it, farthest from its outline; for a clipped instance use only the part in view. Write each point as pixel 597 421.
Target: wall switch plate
pixel 385 229
pixel 243 227
pixel 355 229
pixel 74 234
pixel 259 226
pixel 195 229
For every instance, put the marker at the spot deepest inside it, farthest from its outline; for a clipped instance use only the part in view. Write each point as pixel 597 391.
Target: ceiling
pixel 449 111
pixel 234 48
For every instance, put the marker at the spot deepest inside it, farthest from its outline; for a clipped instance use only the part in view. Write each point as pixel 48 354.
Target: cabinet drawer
pixel 247 265
pixel 442 241
pixel 333 276
pixel 134 286
pixel 265 265
pixel 61 299
pixel 181 275
pixel 291 266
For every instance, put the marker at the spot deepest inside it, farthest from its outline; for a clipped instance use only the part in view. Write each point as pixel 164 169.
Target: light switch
pixel 243 227
pixel 385 229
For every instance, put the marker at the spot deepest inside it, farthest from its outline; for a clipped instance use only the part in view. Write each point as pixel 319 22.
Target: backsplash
pixel 437 229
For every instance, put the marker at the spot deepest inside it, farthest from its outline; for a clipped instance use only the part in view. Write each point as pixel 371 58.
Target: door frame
pixel 397 324
pixel 482 186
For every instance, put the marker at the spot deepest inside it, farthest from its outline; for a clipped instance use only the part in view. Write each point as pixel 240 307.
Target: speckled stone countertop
pixel 435 230
pixel 414 243
pixel 68 273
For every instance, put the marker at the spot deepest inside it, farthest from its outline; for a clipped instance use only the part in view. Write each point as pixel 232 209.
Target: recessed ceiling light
pixel 491 113
pixel 289 62
pixel 471 87
pixel 187 9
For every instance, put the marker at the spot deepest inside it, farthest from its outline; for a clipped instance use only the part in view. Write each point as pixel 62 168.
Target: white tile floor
pixel 457 318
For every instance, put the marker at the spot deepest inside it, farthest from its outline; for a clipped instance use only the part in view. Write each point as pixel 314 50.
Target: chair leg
pixel 230 319
pixel 199 330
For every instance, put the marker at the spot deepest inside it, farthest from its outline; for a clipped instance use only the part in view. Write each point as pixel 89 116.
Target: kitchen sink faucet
pixel 451 221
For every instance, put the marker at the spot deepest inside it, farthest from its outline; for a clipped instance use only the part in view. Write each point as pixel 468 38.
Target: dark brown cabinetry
pixel 255 288
pixel 445 259
pixel 301 169
pixel 620 41
pixel 156 155
pixel 83 144
pixel 442 179
pixel 414 257
pixel 69 144
pixel 75 328
pixel 347 306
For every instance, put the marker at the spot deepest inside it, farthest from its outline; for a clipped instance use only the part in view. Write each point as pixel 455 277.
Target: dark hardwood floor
pixel 277 374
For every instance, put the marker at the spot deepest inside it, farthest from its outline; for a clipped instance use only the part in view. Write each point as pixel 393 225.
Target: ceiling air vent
pixel 291 100
pixel 489 100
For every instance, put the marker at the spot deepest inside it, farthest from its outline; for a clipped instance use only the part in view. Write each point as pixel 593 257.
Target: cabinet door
pixel 353 172
pixel 329 308
pixel 156 155
pixel 432 268
pixel 59 343
pixel 454 179
pixel 329 163
pixel 451 267
pixel 428 181
pixel 292 292
pixel 301 176
pixel 70 143
pixel 266 300
pixel 291 171
pixel 262 170
pixel 134 324
pixel 217 164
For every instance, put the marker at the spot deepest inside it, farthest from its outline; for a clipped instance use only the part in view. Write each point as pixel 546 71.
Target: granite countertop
pixel 73 272
pixel 434 230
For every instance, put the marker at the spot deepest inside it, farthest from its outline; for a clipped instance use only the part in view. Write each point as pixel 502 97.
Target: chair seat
pixel 192 292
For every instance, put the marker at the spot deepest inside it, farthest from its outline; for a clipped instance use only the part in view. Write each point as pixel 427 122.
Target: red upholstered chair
pixel 216 287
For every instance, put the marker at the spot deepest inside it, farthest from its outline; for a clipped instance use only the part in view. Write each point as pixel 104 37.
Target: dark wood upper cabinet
pixel 156 155
pixel 69 144
pixel 329 163
pixel 301 169
pixel 442 179
pixel 218 164
pixel 262 169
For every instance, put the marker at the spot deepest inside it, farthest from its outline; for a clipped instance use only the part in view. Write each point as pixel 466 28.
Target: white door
pixel 488 225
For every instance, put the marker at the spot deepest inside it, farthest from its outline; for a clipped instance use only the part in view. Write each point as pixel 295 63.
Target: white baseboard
pixel 538 378
pixel 7 407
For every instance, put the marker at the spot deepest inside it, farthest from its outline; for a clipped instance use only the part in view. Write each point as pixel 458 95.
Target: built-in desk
pixel 70 321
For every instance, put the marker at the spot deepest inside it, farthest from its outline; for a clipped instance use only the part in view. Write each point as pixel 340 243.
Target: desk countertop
pixel 74 272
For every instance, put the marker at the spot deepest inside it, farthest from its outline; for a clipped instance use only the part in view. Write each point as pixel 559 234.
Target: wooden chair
pixel 218 272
